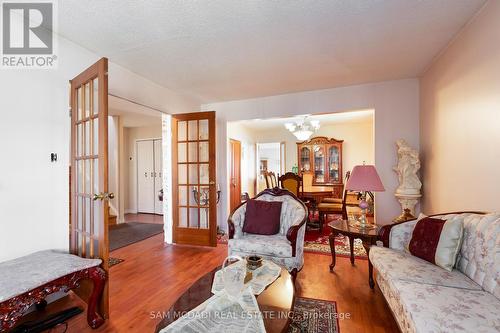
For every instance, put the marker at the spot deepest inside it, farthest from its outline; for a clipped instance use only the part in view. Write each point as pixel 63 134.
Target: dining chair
pixel 307 183
pixel 291 182
pixel 274 181
pixel 307 178
pixel 337 200
pixel 267 178
pixel 326 208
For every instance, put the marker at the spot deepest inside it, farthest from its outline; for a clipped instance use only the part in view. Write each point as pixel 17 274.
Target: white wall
pixel 460 120
pixel 130 137
pixel 396 105
pixel 34 193
pixel 114 163
pixel 358 143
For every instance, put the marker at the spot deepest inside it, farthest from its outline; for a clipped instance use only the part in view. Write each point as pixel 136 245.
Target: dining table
pixel 317 192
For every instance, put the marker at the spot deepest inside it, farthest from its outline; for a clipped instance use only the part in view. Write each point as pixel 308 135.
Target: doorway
pixel 135 172
pixel 269 158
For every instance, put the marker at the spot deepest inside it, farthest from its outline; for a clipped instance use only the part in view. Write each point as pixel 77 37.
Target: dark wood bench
pixel 27 281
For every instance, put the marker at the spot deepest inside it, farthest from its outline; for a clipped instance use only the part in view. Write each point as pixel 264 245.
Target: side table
pixel 368 236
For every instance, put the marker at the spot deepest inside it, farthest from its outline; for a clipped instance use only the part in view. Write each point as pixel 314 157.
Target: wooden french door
pixel 235 173
pixel 194 192
pixel 89 169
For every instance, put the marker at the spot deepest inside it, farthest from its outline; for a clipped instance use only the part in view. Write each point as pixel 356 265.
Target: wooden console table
pixel 30 279
pixel 368 236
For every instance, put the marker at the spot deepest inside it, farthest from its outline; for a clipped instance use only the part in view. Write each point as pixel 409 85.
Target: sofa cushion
pixel 479 256
pixel 262 217
pixel 276 245
pixel 292 211
pixel 437 241
pixel 400 265
pixel 430 308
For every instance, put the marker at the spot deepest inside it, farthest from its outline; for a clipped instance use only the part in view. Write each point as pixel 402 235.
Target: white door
pixel 145 177
pixel 158 175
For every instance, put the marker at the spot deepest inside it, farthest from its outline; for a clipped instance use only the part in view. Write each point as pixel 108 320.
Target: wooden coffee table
pixel 368 236
pixel 276 302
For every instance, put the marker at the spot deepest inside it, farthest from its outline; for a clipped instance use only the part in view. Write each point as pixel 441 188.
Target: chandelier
pixel 303 129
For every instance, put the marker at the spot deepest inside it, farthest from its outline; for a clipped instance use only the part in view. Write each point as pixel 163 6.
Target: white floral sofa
pixel 426 298
pixel 285 248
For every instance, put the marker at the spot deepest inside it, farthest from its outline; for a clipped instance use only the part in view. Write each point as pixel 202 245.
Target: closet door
pixel 145 177
pixel 158 162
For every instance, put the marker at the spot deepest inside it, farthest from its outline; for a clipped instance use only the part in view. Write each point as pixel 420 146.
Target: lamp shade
pixel 364 178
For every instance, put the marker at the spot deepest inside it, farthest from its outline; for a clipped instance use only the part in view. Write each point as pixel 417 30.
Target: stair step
pixel 112 219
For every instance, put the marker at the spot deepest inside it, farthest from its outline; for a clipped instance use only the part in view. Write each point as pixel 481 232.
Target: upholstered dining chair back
pixel 291 182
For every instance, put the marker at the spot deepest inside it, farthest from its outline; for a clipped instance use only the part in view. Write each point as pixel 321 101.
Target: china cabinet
pixel 322 157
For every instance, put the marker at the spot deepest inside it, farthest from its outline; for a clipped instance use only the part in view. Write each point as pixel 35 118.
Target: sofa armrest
pixel 230 228
pixel 293 232
pixel 235 221
pixel 400 231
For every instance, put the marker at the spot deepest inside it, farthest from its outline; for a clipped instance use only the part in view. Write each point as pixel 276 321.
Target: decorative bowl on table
pixel 254 262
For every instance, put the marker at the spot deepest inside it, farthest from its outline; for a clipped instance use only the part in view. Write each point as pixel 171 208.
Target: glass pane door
pixel 193 168
pixel 194 179
pixel 89 169
pixel 305 159
pixel 88 217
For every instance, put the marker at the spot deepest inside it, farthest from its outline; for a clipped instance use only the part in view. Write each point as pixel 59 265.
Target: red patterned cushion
pixel 425 239
pixel 262 217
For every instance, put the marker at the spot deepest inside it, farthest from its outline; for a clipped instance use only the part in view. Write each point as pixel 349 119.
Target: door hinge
pixel 69 111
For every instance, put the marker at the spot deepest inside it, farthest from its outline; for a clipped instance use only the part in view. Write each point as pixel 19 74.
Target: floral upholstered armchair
pixel 286 248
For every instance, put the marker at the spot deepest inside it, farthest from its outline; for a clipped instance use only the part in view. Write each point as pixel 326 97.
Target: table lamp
pixel 364 178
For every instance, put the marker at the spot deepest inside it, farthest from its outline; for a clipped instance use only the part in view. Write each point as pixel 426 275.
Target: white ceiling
pixel 132 114
pixel 235 49
pixel 324 119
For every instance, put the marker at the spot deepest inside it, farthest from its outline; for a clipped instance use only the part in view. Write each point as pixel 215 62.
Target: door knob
pixel 211 182
pixel 101 196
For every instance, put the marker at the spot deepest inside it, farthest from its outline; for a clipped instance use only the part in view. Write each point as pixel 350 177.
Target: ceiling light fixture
pixel 303 129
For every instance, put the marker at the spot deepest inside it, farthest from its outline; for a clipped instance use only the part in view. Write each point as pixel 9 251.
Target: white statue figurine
pixel 407 169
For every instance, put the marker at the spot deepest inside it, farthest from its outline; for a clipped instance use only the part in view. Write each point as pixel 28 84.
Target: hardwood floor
pixel 154 275
pixel 144 218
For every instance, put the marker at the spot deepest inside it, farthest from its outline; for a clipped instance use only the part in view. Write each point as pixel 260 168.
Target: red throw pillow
pixel 262 217
pixel 425 238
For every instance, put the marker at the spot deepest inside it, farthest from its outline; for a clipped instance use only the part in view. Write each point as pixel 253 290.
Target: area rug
pixel 317 242
pixel 314 316
pixel 124 234
pixel 114 261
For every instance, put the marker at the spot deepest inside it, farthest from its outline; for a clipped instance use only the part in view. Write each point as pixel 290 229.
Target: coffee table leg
pixel 332 249
pixel 370 266
pixel 351 245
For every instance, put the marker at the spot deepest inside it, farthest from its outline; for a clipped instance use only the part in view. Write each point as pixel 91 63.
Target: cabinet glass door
pixel 305 159
pixel 319 164
pixel 333 164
